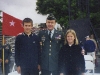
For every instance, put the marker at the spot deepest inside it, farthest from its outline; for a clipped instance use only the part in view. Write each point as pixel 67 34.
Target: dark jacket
pixel 71 59
pixel 89 46
pixel 27 51
pixel 50 49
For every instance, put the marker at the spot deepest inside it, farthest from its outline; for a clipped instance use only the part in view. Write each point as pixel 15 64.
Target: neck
pixel 50 29
pixel 28 33
pixel 71 43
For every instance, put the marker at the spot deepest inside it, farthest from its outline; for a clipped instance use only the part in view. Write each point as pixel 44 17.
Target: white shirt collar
pixel 52 31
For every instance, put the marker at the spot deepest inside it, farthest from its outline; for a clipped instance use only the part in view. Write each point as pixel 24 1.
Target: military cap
pixel 51 17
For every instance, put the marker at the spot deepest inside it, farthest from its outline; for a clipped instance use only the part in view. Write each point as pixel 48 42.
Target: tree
pixel 58 8
pixel 78 9
pixel 95 13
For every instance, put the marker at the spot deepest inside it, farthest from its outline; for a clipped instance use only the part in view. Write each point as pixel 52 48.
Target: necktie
pixel 50 34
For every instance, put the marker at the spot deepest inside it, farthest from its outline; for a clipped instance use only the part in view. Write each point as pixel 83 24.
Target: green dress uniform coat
pixel 50 49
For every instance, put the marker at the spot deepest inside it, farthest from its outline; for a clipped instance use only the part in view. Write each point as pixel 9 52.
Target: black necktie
pixel 50 34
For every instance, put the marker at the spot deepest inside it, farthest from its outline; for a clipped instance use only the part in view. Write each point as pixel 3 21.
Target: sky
pixel 22 9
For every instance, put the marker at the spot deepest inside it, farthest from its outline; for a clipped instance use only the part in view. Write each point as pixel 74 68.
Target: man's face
pixel 50 24
pixel 27 27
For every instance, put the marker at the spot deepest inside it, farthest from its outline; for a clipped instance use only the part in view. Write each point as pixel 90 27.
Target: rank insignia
pixel 43 38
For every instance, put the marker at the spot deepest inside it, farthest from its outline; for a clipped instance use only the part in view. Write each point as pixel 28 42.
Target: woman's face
pixel 70 38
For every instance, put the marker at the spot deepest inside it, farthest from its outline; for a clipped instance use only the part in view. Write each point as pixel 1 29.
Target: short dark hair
pixel 28 20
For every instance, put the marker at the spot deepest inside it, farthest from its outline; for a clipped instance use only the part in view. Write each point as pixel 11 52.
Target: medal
pixel 43 38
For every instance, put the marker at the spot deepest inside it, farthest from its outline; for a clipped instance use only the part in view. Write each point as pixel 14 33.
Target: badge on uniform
pixel 43 38
pixel 58 37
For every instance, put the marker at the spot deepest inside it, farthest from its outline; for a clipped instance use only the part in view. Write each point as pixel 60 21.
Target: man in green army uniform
pixel 7 54
pixel 51 40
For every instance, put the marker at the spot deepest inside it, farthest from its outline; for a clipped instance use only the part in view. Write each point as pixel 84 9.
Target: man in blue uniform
pixel 7 54
pixel 90 47
pixel 27 50
pixel 51 40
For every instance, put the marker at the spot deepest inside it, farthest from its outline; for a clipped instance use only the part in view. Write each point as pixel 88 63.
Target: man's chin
pixel 50 28
pixel 27 32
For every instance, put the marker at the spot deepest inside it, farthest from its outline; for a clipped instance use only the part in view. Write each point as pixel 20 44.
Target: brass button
pixel 49 49
pixel 49 53
pixel 50 45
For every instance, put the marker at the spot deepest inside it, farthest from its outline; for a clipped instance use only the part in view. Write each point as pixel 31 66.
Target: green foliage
pixel 58 8
pixel 78 10
pixel 95 12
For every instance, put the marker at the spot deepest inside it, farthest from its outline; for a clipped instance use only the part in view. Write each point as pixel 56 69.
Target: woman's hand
pixel 83 52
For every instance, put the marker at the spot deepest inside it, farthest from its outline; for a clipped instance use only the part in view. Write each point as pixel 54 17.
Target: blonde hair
pixel 74 33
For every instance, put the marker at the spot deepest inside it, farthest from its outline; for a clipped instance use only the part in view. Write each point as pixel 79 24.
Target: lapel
pixel 46 34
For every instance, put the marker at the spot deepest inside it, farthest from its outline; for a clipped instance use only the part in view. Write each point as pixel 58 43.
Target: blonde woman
pixel 71 59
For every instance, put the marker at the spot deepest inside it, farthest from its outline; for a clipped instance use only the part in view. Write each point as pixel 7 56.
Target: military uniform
pixel 50 49
pixel 7 54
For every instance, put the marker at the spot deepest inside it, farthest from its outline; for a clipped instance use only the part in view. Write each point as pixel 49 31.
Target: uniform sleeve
pixel 39 50
pixel 40 46
pixel 62 39
pixel 17 51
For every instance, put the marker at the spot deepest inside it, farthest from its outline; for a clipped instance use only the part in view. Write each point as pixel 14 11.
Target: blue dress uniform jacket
pixel 7 51
pixel 27 51
pixel 71 60
pixel 50 49
pixel 89 46
pixel 7 54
